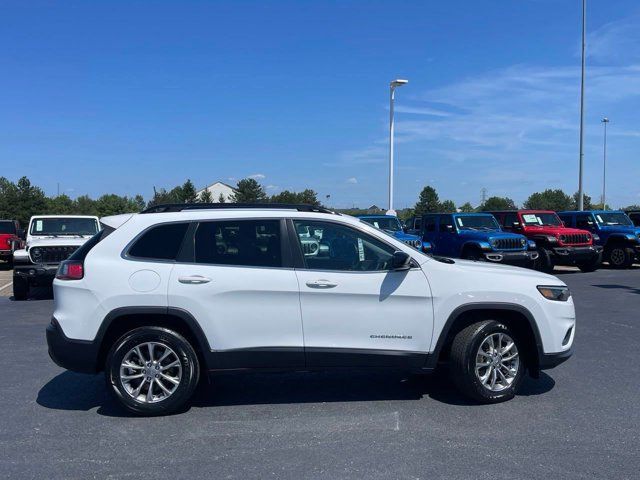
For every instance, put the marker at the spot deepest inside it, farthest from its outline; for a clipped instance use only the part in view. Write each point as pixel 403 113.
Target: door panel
pixel 353 317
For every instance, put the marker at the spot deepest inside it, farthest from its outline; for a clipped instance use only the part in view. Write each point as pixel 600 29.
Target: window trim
pixel 298 256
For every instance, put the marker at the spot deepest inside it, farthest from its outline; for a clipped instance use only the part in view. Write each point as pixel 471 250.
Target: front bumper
pixel 37 273
pixel 76 355
pixel 572 255
pixel 511 258
pixel 551 360
pixel 6 253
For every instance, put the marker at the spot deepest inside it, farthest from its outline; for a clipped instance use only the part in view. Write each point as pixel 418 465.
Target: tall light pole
pixel 396 83
pixel 604 121
pixel 584 26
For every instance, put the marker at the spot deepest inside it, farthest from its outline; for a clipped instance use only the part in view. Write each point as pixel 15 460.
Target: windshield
pixel 477 222
pixel 7 227
pixel 613 218
pixel 384 223
pixel 64 226
pixel 547 219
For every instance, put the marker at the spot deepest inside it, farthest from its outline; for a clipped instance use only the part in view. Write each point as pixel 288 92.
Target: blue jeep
pixel 391 225
pixel 612 229
pixel 476 236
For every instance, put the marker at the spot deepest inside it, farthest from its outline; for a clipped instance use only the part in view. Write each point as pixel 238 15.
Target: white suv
pixel 157 298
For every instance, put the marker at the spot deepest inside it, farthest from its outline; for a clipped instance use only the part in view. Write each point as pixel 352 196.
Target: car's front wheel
pixel 152 370
pixel 487 362
pixel 619 256
pixel 20 288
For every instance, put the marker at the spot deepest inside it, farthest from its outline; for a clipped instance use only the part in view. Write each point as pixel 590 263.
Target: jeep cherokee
pixel 157 299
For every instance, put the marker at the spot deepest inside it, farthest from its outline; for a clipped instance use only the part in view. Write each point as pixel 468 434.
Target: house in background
pixel 218 188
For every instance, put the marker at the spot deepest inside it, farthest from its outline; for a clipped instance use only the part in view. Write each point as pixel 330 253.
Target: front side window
pixel 330 246
pixel 584 222
pixel 446 225
pixel 64 226
pixel 162 242
pixel 510 219
pixel 251 243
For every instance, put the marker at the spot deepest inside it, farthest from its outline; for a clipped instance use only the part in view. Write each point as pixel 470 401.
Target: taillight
pixel 70 270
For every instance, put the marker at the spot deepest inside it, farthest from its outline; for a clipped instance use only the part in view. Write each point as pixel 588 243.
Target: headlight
pixel 36 254
pixel 633 238
pixel 563 238
pixel 559 294
pixel 523 241
pixel 532 245
pixel 551 239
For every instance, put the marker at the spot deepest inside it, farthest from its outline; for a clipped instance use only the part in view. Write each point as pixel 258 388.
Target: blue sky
pixel 121 96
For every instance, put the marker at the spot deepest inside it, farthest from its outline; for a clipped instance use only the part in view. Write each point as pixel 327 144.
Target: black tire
pixel 20 288
pixel 464 352
pixel 592 265
pixel 188 380
pixel 544 262
pixel 472 253
pixel 619 256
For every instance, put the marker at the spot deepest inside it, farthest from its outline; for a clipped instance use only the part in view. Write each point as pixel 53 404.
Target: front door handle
pixel 194 280
pixel 321 284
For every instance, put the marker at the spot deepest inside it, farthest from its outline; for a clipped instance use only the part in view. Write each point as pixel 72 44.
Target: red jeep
pixel 10 240
pixel 557 244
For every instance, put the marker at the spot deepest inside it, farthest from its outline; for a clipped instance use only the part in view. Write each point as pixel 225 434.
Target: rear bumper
pixel 511 258
pixel 551 360
pixel 76 355
pixel 571 254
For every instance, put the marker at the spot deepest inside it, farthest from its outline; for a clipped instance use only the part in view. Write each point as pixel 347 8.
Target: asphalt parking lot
pixel 580 420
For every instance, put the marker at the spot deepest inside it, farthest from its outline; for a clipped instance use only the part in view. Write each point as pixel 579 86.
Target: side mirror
pixel 405 229
pixel 401 261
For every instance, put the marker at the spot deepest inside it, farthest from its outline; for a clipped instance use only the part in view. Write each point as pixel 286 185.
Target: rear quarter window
pixel 161 242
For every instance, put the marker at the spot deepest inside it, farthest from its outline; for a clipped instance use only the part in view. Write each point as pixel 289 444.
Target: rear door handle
pixel 321 284
pixel 194 279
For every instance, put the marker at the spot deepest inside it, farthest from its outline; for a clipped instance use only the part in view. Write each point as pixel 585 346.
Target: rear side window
pixel 430 224
pixel 160 243
pixel 251 243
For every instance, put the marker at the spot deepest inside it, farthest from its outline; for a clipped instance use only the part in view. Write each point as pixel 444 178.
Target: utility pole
pixel 392 95
pixel 580 189
pixel 604 121
pixel 483 195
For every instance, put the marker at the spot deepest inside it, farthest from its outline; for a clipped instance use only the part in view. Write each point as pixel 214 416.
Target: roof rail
pixel 179 207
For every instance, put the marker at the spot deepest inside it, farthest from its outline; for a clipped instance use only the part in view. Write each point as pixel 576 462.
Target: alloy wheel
pixel 150 372
pixel 497 362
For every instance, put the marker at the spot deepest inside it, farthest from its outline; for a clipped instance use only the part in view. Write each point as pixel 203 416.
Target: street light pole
pixel 605 120
pixel 392 95
pixel 580 190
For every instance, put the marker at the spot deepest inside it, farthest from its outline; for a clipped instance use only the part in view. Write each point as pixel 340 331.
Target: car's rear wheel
pixel 20 288
pixel 487 362
pixel 472 253
pixel 619 256
pixel 152 370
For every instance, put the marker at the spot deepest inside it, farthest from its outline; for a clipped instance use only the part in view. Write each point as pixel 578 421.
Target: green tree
pixel 249 190
pixel 61 205
pixel 428 201
pixel 586 201
pixel 467 208
pixel 188 192
pixel 221 198
pixel 550 200
pixel 205 197
pixel 84 205
pixel 448 206
pixel 19 201
pixel 498 203
pixel 308 197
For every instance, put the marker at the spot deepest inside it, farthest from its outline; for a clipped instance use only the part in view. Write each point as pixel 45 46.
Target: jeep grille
pixel 508 244
pixel 414 243
pixel 51 254
pixel 574 238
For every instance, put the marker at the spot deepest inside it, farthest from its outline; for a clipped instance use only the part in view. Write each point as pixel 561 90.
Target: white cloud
pixel 352 180
pixel 257 176
pixel 615 42
pixel 272 187
pixel 422 111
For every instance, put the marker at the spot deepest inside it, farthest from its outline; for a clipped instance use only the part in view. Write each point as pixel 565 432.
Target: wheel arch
pixel 470 245
pixel 122 320
pixel 515 316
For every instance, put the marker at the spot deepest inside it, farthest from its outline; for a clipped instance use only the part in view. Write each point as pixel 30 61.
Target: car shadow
pixel 90 391
pixel 37 293
pixel 620 287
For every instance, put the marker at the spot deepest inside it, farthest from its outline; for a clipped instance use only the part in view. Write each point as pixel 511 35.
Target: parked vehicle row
pixel 10 240
pixel 157 299
pixel 539 239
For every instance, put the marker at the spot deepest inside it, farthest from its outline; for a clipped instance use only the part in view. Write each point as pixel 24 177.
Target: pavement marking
pixel 6 286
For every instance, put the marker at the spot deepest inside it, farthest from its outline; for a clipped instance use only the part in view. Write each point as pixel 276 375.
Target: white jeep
pixel 159 298
pixel 50 240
